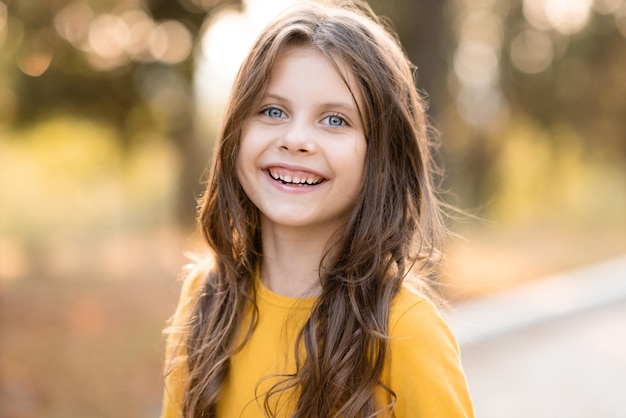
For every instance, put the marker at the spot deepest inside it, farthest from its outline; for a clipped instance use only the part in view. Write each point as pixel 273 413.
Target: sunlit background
pixel 108 111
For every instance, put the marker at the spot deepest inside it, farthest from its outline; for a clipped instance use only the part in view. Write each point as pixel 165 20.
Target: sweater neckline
pixel 266 295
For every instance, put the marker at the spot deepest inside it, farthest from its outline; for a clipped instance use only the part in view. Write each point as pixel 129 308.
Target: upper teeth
pixel 296 180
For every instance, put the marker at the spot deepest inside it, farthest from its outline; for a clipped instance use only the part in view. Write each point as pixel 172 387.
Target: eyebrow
pixel 332 105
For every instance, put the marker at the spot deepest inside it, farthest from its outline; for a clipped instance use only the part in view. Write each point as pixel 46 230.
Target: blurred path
pixel 554 348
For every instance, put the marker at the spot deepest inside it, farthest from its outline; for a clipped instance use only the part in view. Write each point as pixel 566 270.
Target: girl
pixel 319 206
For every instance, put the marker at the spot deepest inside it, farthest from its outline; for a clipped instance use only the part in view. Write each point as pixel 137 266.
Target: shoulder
pixel 194 277
pixel 424 365
pixel 412 313
pixel 417 328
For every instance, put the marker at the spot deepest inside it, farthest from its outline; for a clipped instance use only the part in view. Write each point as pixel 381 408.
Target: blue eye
pixel 336 120
pixel 273 112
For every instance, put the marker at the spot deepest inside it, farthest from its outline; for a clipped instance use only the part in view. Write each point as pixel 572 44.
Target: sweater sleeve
pixel 425 367
pixel 176 372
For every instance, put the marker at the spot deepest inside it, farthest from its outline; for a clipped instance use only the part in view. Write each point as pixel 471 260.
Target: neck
pixel 291 260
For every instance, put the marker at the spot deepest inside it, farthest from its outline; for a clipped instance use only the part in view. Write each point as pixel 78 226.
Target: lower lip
pixel 292 188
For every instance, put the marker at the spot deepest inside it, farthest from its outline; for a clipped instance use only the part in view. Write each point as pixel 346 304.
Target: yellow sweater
pixel 423 364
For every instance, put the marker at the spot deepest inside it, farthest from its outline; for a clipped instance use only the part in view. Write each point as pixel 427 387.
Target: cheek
pixel 360 156
pixel 240 167
pixel 247 149
pixel 353 169
pixel 245 169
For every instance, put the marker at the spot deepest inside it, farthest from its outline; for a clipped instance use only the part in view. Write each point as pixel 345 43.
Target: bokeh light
pixel 565 16
pixel 568 16
pixel 225 39
pixel 35 64
pixel 72 22
pixel 220 60
pixel 485 26
pixel 535 13
pixel 107 37
pixel 476 65
pixel 112 40
pixel 141 27
pixel 171 42
pixel 532 51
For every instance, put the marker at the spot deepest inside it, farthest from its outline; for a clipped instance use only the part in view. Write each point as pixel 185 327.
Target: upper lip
pixel 294 167
pixel 295 170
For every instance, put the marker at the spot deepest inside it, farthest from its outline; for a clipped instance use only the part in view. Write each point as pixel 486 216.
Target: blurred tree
pixel 584 87
pixel 63 58
pixel 424 31
pixel 555 67
pixel 61 74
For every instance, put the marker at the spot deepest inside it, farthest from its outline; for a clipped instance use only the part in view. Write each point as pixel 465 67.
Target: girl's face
pixel 302 152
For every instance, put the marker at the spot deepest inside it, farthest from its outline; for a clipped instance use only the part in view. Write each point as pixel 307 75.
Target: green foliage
pixel 552 176
pixel 72 176
pixel 580 90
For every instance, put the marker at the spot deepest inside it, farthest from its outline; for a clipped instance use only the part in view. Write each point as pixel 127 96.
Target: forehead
pixel 310 66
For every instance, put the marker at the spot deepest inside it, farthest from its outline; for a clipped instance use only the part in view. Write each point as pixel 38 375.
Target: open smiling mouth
pixel 295 179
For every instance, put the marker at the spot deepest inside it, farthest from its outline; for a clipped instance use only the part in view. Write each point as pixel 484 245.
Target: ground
pixel 90 345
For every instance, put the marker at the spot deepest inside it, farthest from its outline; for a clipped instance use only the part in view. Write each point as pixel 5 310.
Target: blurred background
pixel 108 111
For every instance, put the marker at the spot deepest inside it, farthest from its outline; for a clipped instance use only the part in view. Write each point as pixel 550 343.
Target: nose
pixel 297 138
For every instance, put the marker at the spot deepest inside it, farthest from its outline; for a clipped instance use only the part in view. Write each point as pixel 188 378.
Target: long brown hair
pixel 395 224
